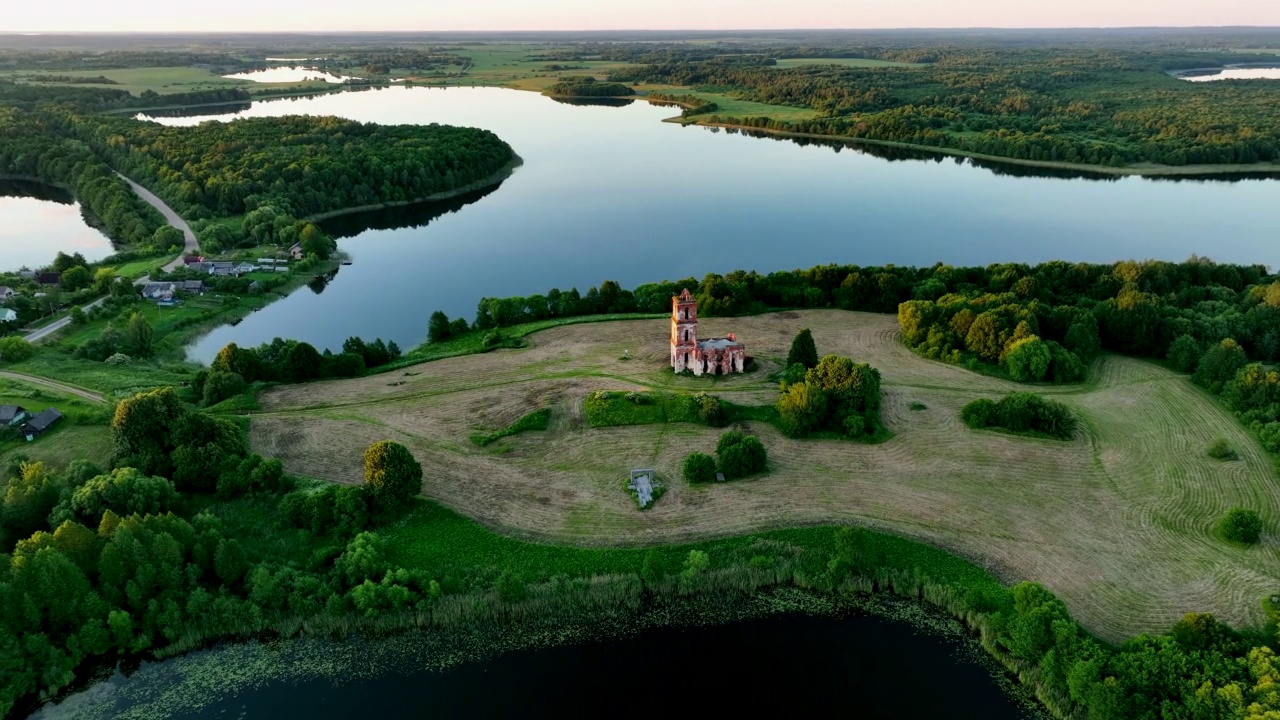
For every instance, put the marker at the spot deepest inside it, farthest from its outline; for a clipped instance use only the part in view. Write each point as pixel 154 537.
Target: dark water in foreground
pixel 785 666
pixel 614 193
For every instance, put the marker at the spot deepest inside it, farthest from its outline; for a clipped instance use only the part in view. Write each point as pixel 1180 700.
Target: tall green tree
pixel 392 475
pixel 803 350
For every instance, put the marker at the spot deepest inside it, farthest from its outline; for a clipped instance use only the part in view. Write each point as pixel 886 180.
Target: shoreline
pixel 497 178
pixel 1156 171
pixel 1126 171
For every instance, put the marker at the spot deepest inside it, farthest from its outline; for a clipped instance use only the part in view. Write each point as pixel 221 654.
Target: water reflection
pixel 594 102
pixel 414 215
pixel 38 221
pixel 1234 73
pixel 287 74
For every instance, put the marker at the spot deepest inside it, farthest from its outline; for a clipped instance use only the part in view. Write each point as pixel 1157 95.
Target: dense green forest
pixel 1102 106
pixel 304 165
pixel 39 146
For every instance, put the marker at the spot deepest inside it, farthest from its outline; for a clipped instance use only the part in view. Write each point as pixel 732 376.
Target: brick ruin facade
pixel 715 356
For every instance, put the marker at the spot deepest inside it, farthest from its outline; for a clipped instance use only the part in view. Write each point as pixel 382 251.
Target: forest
pixel 39 146
pixel 1089 105
pixel 302 165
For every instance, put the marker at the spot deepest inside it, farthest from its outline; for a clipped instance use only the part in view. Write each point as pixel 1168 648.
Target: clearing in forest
pixel 1118 523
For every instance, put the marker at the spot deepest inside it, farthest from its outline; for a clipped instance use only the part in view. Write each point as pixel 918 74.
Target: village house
pixel 159 291
pixel 190 260
pixel 8 316
pixel 27 274
pixel 192 286
pixel 6 292
pixel 49 278
pixel 244 268
pixel 714 356
pixel 296 251
pixel 12 415
pixel 41 423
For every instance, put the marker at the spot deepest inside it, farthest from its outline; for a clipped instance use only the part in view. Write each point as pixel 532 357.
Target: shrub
pixel 979 413
pixel 1220 365
pixel 740 455
pixel 1221 450
pixel 118 359
pixel 125 492
pixel 803 408
pixel 699 468
pixel 15 349
pixel 1241 525
pixel 711 410
pixel 1022 413
pixel 391 474
pixel 219 386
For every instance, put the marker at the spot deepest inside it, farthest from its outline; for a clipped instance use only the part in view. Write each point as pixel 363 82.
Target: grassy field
pixel 163 80
pixel 82 433
pixel 843 62
pixel 1119 522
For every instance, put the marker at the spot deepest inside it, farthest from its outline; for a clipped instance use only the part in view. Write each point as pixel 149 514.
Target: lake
pixel 614 193
pixel 37 221
pixel 287 74
pixel 1272 73
pixel 784 666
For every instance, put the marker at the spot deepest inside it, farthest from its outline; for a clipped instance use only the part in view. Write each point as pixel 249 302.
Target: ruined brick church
pixel 715 356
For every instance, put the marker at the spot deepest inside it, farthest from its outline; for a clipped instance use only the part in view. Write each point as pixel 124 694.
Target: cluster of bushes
pixel 161 550
pixel 837 395
pixel 738 455
pixel 136 339
pixel 1022 413
pixel 289 361
pixel 1002 330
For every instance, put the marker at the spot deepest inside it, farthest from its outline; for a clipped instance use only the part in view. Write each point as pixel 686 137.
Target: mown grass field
pixel 82 433
pixel 1119 522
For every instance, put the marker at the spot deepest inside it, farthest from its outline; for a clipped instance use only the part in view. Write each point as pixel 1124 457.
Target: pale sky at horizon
pixel 495 15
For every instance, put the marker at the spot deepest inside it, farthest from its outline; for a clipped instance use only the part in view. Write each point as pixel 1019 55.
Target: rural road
pixel 54 385
pixel 37 335
pixel 171 217
pixel 191 245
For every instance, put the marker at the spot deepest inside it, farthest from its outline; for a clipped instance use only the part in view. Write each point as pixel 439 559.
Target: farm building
pixel 714 356
pixel 7 315
pixel 6 292
pixel 41 423
pixel 12 415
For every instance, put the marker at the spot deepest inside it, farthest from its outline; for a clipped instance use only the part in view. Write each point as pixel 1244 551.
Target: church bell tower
pixel 684 331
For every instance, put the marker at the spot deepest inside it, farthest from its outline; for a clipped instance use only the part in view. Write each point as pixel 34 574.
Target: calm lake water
pixel 36 221
pixel 613 193
pixel 1238 74
pixel 785 666
pixel 287 73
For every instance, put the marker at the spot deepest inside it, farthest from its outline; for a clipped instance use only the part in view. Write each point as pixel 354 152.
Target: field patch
pixel 1118 522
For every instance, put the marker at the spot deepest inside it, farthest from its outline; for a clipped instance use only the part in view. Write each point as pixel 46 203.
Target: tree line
pixel 1093 105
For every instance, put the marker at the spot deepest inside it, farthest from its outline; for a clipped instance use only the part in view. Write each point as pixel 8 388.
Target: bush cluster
pixel 738 455
pixel 836 395
pixel 1022 413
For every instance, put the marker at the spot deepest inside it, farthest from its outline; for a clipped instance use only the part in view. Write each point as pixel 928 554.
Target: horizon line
pixel 30 33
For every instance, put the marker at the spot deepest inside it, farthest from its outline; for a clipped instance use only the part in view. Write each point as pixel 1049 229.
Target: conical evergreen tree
pixel 803 350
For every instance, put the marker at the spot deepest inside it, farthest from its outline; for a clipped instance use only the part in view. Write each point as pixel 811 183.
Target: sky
pixel 444 15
